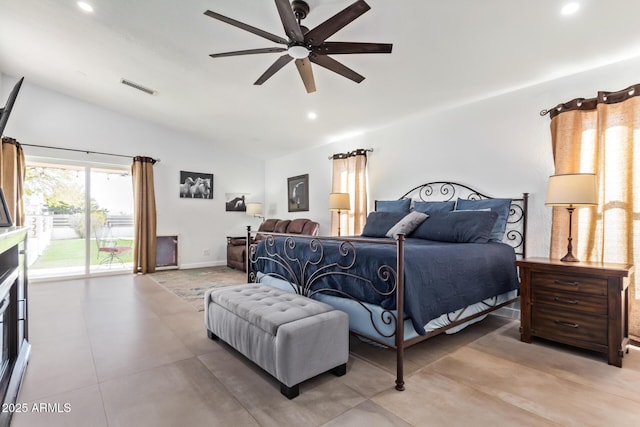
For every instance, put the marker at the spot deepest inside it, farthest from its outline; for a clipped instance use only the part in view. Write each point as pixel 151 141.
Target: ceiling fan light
pixel 298 52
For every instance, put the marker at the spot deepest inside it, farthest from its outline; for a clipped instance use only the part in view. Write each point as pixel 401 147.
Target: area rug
pixel 191 284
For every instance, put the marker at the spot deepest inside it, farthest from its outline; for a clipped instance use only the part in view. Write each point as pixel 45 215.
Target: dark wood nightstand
pixel 584 304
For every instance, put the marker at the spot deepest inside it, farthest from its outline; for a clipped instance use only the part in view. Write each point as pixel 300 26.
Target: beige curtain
pixel 600 136
pixel 350 176
pixel 12 173
pixel 144 243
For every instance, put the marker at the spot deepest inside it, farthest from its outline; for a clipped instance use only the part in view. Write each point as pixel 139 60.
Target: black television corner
pixel 5 112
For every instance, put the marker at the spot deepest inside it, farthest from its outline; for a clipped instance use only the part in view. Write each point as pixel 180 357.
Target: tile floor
pixel 123 351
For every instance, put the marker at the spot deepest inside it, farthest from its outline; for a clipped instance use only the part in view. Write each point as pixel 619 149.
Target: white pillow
pixel 407 224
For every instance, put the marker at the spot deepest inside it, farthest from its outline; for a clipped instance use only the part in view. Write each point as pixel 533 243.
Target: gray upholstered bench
pixel 290 336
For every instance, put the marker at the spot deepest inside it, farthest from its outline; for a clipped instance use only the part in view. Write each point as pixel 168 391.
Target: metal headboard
pixel 516 231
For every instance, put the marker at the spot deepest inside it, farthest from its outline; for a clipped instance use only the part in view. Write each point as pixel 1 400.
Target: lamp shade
pixel 339 202
pixel 254 208
pixel 573 189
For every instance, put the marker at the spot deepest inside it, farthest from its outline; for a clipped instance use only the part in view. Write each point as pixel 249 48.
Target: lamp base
pixel 569 258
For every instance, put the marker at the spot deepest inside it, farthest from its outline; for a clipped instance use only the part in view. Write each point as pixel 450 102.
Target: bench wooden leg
pixel 212 336
pixel 339 371
pixel 289 392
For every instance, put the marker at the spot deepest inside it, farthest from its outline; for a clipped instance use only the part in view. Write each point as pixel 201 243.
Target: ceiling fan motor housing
pixel 300 9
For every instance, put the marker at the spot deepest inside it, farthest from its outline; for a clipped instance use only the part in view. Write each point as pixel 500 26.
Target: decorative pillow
pixel 499 206
pixel 430 207
pixel 378 223
pixel 457 227
pixel 402 205
pixel 407 224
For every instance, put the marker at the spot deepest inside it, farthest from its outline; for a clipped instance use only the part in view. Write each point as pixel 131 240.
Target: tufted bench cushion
pixel 292 337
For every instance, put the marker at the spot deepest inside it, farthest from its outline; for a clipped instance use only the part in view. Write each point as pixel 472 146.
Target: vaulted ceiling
pixel 444 53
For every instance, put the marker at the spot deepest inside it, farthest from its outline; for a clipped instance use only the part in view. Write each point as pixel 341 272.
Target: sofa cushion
pixel 268 225
pixel 311 228
pixel 237 241
pixel 297 225
pixel 281 226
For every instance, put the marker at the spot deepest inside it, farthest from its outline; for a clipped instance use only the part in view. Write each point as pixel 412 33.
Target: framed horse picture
pixel 195 185
pixel 236 202
pixel 298 193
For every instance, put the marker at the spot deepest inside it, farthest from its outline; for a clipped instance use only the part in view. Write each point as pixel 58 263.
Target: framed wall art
pixel 298 193
pixel 195 185
pixel 236 202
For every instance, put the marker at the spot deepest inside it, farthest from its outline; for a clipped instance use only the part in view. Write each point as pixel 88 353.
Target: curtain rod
pixel 363 149
pixel 81 151
pixel 591 103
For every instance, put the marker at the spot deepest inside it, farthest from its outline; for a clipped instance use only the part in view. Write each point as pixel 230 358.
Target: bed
pixel 439 258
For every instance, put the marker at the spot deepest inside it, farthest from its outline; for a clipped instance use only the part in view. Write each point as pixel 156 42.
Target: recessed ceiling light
pixel 312 115
pixel 85 6
pixel 570 8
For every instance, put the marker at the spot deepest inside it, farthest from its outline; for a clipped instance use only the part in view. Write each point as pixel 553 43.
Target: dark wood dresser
pixel 584 304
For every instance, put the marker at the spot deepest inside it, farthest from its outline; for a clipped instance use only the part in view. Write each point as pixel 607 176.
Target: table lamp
pixel 339 202
pixel 572 190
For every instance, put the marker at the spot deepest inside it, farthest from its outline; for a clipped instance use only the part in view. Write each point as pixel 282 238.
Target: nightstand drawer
pixel 573 301
pixel 570 283
pixel 551 323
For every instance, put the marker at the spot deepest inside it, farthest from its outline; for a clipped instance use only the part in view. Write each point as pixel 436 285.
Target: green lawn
pixel 71 252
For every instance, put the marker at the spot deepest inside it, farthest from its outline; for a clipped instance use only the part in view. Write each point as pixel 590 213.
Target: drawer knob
pixel 567 324
pixel 566 282
pixel 566 301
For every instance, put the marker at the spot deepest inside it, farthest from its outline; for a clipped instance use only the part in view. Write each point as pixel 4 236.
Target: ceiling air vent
pixel 137 86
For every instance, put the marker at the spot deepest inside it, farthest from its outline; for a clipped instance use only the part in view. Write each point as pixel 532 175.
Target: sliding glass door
pixel 80 218
pixel 111 220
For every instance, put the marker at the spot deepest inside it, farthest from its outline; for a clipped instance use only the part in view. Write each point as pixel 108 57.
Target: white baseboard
pixel 202 264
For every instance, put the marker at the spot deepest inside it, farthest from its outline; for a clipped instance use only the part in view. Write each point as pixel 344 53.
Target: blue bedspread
pixel 439 277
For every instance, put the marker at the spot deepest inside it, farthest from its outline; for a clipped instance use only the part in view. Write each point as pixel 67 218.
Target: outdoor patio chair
pixel 108 249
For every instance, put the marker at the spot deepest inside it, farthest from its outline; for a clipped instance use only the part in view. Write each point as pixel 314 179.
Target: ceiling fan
pixel 304 45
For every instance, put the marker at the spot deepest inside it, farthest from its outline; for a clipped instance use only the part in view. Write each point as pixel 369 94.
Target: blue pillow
pixel 430 207
pixel 499 206
pixel 457 227
pixel 402 205
pixel 379 223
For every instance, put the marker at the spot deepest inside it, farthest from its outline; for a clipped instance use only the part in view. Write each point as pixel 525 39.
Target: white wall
pixel 500 146
pixel 44 117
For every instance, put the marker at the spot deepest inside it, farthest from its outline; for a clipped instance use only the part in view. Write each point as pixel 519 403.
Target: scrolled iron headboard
pixel 516 232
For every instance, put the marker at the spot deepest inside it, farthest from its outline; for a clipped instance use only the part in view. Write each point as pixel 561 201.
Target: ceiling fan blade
pixel 289 21
pixel 331 64
pixel 304 68
pixel 338 21
pixel 275 67
pixel 336 48
pixel 247 27
pixel 248 52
